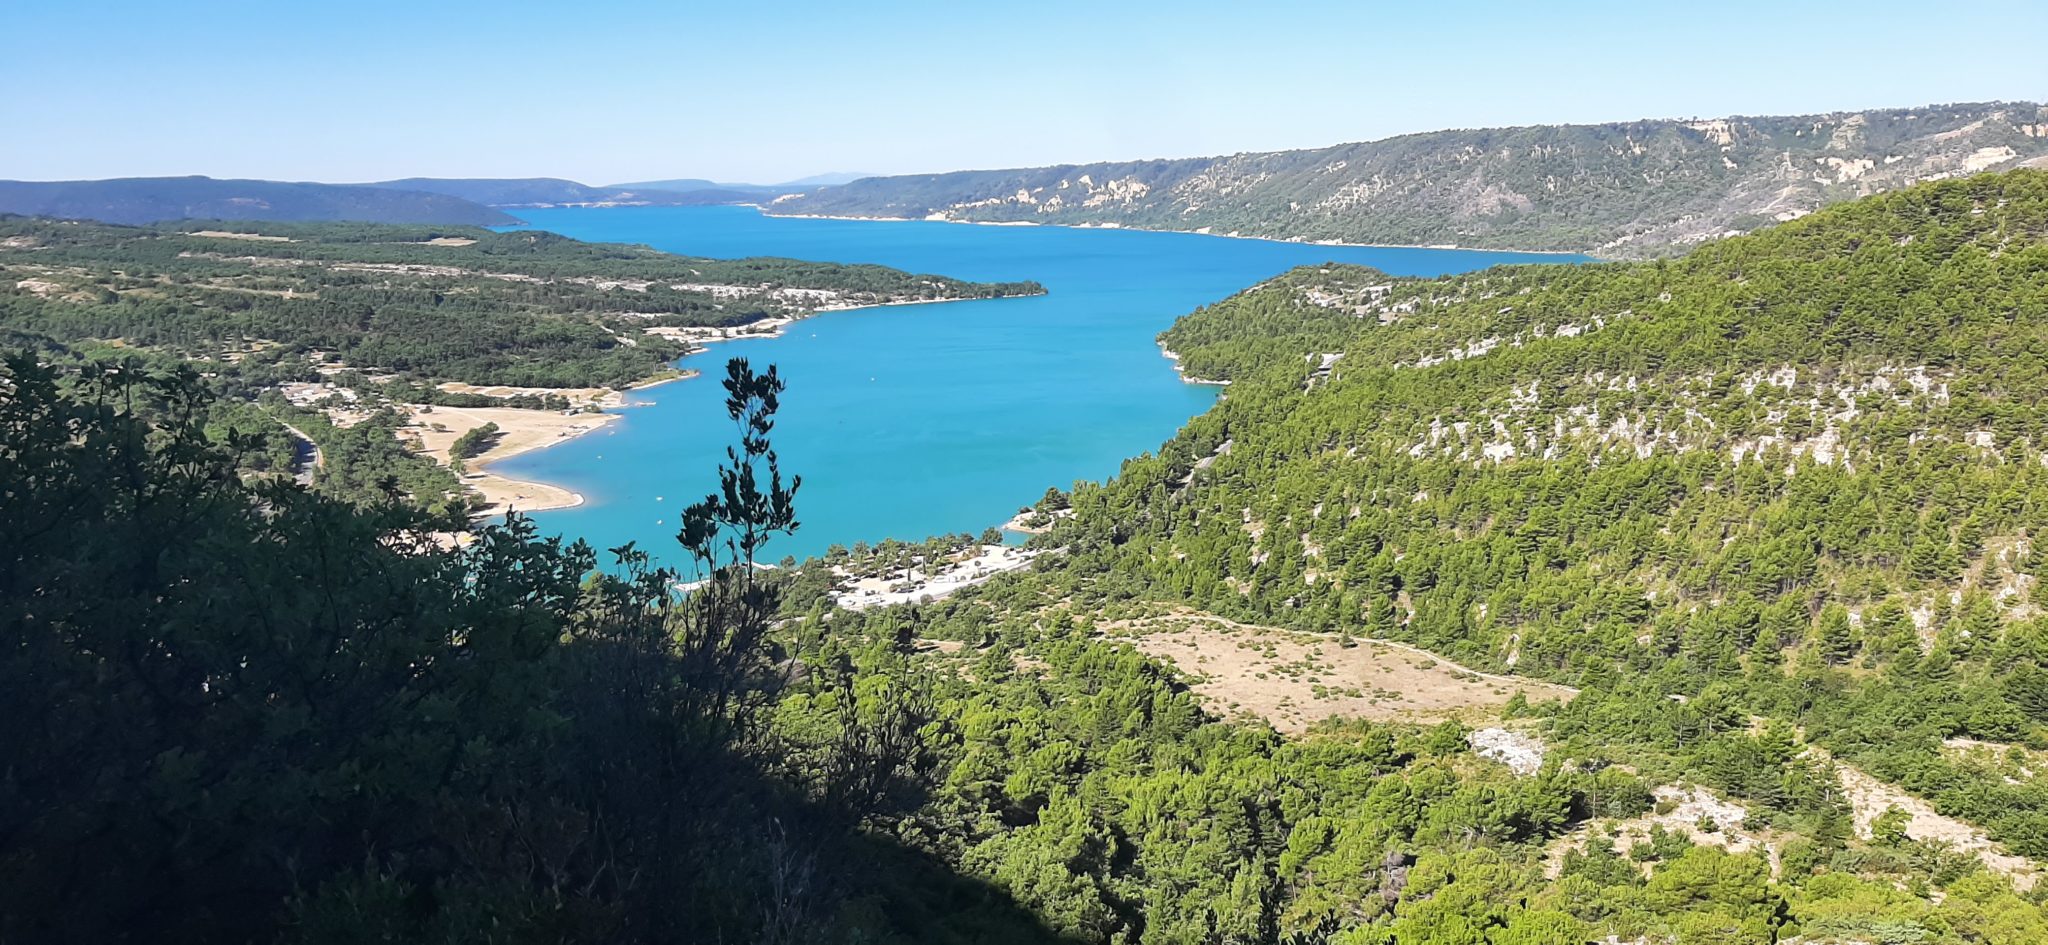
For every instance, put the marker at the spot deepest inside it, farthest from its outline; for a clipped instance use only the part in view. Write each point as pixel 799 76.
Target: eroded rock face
pixel 1523 754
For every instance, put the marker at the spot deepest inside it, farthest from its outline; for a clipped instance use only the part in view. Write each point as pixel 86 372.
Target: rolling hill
pixel 541 192
pixel 135 200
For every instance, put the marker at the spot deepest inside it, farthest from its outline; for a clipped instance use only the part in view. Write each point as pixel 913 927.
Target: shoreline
pixel 1204 231
pixel 1174 356
pixel 549 497
pixel 506 493
pixel 703 336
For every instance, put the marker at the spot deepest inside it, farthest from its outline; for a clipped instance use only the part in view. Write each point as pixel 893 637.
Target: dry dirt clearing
pixel 1294 680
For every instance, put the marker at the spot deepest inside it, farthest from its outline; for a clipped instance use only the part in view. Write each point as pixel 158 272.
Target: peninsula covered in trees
pixel 427 304
pixel 350 333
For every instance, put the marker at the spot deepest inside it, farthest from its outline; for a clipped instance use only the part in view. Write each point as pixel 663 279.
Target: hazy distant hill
pixel 502 191
pixel 536 191
pixel 691 184
pixel 149 199
pixel 1625 189
pixel 821 180
pixel 686 185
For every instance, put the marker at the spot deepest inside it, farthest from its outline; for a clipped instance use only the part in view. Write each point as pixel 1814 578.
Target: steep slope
pixel 150 199
pixel 1899 336
pixel 1624 189
pixel 1821 445
pixel 1656 481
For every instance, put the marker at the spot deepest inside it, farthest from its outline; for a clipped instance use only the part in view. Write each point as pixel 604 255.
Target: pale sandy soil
pixel 765 328
pixel 579 396
pixel 931 582
pixel 450 241
pixel 519 431
pixel 1294 680
pixel 1693 808
pixel 1017 522
pixel 1869 798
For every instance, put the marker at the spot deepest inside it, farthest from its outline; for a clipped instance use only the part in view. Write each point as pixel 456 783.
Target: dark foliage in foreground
pixel 243 712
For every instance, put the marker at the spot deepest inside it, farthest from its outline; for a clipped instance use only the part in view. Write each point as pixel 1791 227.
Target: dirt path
pixel 308 458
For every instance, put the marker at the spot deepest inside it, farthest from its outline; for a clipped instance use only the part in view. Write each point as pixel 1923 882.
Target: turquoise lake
pixel 916 420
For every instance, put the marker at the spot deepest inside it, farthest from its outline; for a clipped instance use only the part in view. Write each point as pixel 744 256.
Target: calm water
pixel 909 421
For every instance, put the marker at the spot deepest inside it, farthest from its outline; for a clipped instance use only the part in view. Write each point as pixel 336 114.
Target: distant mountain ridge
pixel 134 200
pixel 467 201
pixel 688 184
pixel 833 178
pixel 540 192
pixel 1640 188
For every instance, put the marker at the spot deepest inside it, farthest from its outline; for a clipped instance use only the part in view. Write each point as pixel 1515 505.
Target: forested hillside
pixel 1794 476
pixel 237 711
pixel 151 199
pixel 1642 188
pixel 1771 507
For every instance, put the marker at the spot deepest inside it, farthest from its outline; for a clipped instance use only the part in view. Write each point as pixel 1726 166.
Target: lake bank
pixel 526 430
pixel 917 420
pixel 1564 255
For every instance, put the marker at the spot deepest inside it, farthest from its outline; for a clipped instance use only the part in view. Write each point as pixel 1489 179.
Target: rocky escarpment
pixel 1642 188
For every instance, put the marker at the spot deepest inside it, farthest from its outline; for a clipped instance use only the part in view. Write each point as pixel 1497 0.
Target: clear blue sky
pixel 760 91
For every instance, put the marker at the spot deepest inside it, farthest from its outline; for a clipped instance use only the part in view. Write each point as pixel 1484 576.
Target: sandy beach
pixel 520 431
pixel 576 396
